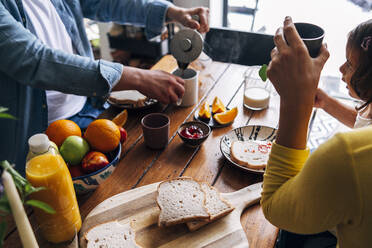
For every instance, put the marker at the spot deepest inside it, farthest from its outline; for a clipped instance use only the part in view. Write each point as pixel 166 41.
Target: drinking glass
pixel 256 92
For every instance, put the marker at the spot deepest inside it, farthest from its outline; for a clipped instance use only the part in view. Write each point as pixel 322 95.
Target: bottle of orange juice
pixel 45 167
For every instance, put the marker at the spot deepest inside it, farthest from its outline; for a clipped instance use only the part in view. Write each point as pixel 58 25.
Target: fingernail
pixel 279 31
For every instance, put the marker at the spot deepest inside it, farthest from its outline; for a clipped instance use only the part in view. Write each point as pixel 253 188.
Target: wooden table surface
pixel 141 166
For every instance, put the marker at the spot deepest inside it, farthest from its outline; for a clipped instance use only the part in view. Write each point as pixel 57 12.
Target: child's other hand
pixel 320 98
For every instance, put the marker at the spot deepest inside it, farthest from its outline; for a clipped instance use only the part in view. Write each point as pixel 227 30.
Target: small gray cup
pixel 312 35
pixel 155 127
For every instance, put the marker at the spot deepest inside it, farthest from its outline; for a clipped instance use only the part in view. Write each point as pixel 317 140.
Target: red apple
pixel 94 161
pixel 123 135
pixel 76 171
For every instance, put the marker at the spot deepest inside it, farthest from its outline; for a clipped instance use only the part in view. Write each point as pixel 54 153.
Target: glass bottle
pixel 45 167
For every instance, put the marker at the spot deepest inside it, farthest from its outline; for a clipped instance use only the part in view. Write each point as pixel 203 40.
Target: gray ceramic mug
pixel 155 127
pixel 312 35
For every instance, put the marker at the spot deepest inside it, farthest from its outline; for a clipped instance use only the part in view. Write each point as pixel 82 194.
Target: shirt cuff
pixel 156 18
pixel 287 159
pixel 111 72
pixel 290 153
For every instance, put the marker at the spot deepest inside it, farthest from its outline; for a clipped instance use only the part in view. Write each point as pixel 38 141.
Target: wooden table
pixel 141 166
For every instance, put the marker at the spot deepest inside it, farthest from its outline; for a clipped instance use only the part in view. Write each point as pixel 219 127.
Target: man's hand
pixel 184 16
pixel 156 84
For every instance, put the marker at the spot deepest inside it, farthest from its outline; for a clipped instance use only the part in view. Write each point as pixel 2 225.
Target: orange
pixel 204 111
pixel 59 130
pixel 227 116
pixel 218 106
pixel 103 135
pixel 121 118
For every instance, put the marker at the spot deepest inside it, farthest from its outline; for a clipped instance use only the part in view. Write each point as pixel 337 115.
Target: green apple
pixel 73 149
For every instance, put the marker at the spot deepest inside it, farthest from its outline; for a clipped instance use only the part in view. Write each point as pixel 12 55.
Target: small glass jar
pixel 256 92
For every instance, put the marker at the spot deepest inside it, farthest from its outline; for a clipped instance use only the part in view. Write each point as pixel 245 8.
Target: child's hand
pixel 320 99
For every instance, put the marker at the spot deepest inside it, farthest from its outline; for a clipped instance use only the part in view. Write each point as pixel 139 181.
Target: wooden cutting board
pixel 139 207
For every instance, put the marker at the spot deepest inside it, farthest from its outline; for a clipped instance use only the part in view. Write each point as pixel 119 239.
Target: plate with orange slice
pixel 216 115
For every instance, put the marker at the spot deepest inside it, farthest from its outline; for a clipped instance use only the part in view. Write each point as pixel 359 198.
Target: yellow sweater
pixel 332 188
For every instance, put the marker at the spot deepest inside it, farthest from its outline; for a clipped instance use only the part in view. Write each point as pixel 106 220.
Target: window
pixel 239 13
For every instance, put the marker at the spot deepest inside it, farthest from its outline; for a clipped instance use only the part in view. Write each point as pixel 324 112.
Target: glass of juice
pixel 256 92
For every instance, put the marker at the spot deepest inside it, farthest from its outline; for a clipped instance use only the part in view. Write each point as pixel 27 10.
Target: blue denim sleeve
pixel 148 13
pixel 30 62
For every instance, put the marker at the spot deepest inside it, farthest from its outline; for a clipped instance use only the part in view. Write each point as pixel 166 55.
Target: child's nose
pixel 342 68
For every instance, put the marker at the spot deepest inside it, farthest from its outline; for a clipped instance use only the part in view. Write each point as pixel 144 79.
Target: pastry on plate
pixel 252 154
pixel 129 97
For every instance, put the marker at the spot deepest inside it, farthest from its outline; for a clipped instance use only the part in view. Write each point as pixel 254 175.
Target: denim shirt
pixel 28 67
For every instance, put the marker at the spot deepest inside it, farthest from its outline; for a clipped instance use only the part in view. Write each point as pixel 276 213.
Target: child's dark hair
pixel 360 41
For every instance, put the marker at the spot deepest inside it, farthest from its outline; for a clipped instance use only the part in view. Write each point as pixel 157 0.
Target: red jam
pixel 192 132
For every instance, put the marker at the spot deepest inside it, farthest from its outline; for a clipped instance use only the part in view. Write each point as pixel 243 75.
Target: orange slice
pixel 204 112
pixel 218 106
pixel 227 116
pixel 121 118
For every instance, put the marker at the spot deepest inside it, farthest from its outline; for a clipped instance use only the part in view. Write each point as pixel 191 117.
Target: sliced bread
pixel 180 200
pixel 215 204
pixel 252 154
pixel 111 234
pixel 132 97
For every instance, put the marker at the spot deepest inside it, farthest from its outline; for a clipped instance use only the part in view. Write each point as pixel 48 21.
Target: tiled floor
pixel 323 128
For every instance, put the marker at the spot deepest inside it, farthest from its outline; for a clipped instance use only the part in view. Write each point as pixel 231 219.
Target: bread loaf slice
pixel 111 234
pixel 132 97
pixel 215 205
pixel 252 154
pixel 180 200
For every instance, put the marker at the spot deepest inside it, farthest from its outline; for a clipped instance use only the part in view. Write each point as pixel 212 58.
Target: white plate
pixel 246 133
